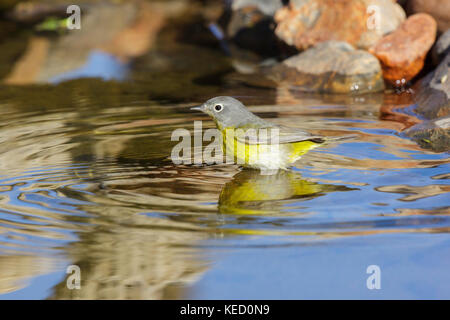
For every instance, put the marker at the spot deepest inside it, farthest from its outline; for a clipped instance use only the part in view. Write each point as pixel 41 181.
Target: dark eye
pixel 218 107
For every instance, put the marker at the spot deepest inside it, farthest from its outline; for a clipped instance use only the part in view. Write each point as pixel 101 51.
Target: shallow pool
pixel 86 180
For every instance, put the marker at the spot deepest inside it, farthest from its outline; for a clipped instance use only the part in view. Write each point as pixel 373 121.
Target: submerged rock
pixel 433 92
pixel 361 23
pixel 438 9
pixel 332 66
pixel 433 134
pixel 432 98
pixel 402 52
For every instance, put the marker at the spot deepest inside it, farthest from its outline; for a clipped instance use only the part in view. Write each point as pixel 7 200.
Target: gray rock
pixel 331 66
pixel 432 134
pixel 433 92
pixel 442 47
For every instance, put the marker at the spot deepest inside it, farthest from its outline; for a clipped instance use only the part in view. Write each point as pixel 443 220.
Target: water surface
pixel 86 180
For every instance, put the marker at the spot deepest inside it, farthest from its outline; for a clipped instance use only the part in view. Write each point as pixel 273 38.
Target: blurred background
pixel 88 103
pixel 180 51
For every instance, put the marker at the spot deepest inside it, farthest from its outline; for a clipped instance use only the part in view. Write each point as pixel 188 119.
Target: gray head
pixel 229 112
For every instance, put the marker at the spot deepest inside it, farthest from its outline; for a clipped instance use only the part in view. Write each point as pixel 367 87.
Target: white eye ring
pixel 218 107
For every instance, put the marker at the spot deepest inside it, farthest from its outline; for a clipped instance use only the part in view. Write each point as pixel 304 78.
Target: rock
pixel 433 92
pixel 305 23
pixel 402 52
pixel 384 16
pixel 391 15
pixel 332 66
pixel 432 97
pixel 267 7
pixel 442 47
pixel 438 9
pixel 433 134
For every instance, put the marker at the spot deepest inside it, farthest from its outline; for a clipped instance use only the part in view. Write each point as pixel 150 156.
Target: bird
pixel 254 142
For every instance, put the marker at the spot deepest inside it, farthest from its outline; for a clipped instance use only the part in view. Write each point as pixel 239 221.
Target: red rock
pixel 438 9
pixel 402 52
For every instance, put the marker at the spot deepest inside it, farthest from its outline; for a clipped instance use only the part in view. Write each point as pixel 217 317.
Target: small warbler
pixel 255 142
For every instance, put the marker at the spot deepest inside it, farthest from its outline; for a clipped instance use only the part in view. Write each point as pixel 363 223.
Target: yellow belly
pixel 280 156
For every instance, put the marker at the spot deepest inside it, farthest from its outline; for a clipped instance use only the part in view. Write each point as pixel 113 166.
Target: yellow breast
pixel 279 156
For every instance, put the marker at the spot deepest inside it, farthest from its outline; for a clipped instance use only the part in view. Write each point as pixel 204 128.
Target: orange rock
pixel 317 21
pixel 402 53
pixel 361 23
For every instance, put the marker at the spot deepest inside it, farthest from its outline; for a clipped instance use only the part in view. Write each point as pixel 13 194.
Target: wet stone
pixel 433 92
pixel 433 134
pixel 333 67
pixel 402 53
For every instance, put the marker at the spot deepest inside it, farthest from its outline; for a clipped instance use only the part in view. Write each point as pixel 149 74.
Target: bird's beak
pixel 199 108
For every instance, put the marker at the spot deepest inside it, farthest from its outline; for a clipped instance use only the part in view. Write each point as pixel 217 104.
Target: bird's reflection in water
pixel 250 192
